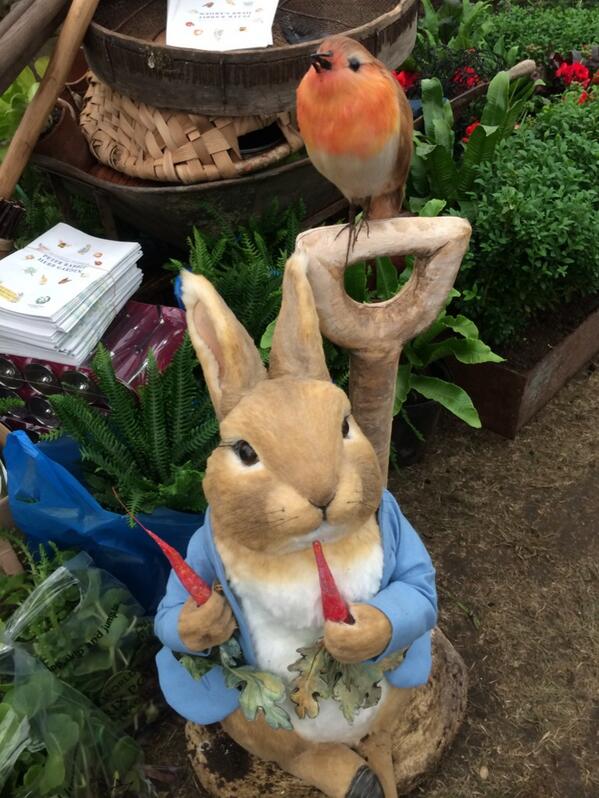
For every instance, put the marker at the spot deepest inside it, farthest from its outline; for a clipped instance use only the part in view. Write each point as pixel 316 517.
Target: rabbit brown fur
pixel 308 474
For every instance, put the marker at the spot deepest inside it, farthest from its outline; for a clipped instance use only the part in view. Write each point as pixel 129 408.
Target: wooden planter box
pixel 507 398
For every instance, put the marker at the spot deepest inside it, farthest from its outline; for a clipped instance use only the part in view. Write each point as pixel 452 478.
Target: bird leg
pixel 363 223
pixel 351 228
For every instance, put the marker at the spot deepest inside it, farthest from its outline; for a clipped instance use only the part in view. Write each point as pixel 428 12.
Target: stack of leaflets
pixel 220 24
pixel 59 294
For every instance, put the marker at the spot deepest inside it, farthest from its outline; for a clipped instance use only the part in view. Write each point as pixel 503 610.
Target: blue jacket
pixel 407 596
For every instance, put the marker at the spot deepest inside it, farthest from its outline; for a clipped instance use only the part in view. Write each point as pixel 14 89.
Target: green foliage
pixel 535 32
pixel 445 170
pixel 260 692
pixel 245 264
pixel 449 336
pixel 153 452
pixel 85 628
pixel 42 210
pixel 14 102
pixel 456 24
pixel 89 634
pixel 55 743
pixel 534 214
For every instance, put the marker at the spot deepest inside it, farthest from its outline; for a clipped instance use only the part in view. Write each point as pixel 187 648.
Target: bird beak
pixel 321 60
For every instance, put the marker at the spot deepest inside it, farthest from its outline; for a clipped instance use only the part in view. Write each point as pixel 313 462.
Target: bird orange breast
pixel 347 113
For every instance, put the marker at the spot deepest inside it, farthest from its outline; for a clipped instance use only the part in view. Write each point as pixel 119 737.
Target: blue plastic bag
pixel 48 502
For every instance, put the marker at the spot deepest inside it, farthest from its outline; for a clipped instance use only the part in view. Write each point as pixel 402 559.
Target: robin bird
pixel 357 125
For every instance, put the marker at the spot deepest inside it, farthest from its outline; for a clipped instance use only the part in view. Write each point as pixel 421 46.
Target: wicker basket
pixel 175 146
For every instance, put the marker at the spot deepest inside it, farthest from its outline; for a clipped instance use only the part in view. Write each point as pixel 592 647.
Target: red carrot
pixel 199 590
pixel 333 606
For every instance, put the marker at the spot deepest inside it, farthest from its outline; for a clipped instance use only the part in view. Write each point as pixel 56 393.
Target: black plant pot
pixel 424 416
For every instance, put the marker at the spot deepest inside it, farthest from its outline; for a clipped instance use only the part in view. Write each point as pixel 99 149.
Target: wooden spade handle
pixel 374 334
pixel 33 121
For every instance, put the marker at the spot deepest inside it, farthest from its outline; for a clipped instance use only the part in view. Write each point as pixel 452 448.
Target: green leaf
pixel 386 278
pixel 266 340
pixel 15 737
pixel 443 173
pixel 497 99
pixel 432 208
pixel 260 692
pixel 355 281
pixel 466 350
pixel 197 667
pixel 311 683
pixel 461 325
pixel 437 113
pixel 35 695
pixel 402 386
pixel 357 687
pixel 450 396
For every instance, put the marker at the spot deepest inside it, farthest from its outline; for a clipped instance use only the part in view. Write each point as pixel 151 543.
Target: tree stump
pixel 431 722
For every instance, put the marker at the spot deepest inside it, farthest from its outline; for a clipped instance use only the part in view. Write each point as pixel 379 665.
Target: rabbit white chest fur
pixel 285 614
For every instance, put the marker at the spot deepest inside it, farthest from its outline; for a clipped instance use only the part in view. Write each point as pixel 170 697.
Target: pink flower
pixel 573 73
pixel 583 97
pixel 406 79
pixel 469 131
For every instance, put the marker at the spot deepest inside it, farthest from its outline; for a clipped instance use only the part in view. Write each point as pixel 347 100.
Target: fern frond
pixel 154 419
pixel 10 403
pixel 180 391
pixel 199 444
pixel 52 435
pixel 124 416
pixel 88 427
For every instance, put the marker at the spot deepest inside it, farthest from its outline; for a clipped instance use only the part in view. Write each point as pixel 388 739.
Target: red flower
pixel 406 79
pixel 469 131
pixel 466 76
pixel 573 73
pixel 583 97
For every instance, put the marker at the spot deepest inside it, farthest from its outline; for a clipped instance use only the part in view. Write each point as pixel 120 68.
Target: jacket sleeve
pixel 167 616
pixel 410 599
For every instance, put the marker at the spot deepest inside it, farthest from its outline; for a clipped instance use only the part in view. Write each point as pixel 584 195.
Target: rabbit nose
pixel 323 503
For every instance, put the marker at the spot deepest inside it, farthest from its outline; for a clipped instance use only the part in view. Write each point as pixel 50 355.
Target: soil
pixel 511 526
pixel 547 331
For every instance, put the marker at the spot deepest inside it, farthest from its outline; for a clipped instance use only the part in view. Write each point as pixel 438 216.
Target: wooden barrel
pixel 169 212
pixel 125 48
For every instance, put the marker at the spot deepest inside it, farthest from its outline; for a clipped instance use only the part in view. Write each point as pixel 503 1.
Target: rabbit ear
pixel 230 361
pixel 297 349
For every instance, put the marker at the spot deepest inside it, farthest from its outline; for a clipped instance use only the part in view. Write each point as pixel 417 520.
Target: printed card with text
pixel 220 25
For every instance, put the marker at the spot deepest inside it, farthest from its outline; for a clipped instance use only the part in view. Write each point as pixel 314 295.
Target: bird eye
pixel 354 63
pixel 246 453
pixel 345 428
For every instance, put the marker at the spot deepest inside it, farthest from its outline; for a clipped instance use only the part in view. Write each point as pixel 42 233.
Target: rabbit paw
pixel 209 625
pixel 367 637
pixel 365 784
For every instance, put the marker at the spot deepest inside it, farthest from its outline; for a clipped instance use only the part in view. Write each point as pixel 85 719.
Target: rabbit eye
pixel 354 63
pixel 345 428
pixel 246 453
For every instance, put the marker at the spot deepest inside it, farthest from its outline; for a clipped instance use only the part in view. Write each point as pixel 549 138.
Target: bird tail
pixel 386 206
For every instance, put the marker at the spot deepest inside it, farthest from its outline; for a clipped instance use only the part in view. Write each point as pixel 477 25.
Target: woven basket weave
pixel 174 146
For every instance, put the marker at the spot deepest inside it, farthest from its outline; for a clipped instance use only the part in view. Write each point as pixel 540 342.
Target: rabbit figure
pixel 293 467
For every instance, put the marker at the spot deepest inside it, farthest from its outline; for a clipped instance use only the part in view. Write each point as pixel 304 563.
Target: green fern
pixel 153 451
pixel 10 403
pixel 180 394
pixel 153 413
pixel 122 404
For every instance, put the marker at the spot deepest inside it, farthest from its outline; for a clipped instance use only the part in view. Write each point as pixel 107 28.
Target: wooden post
pixel 374 334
